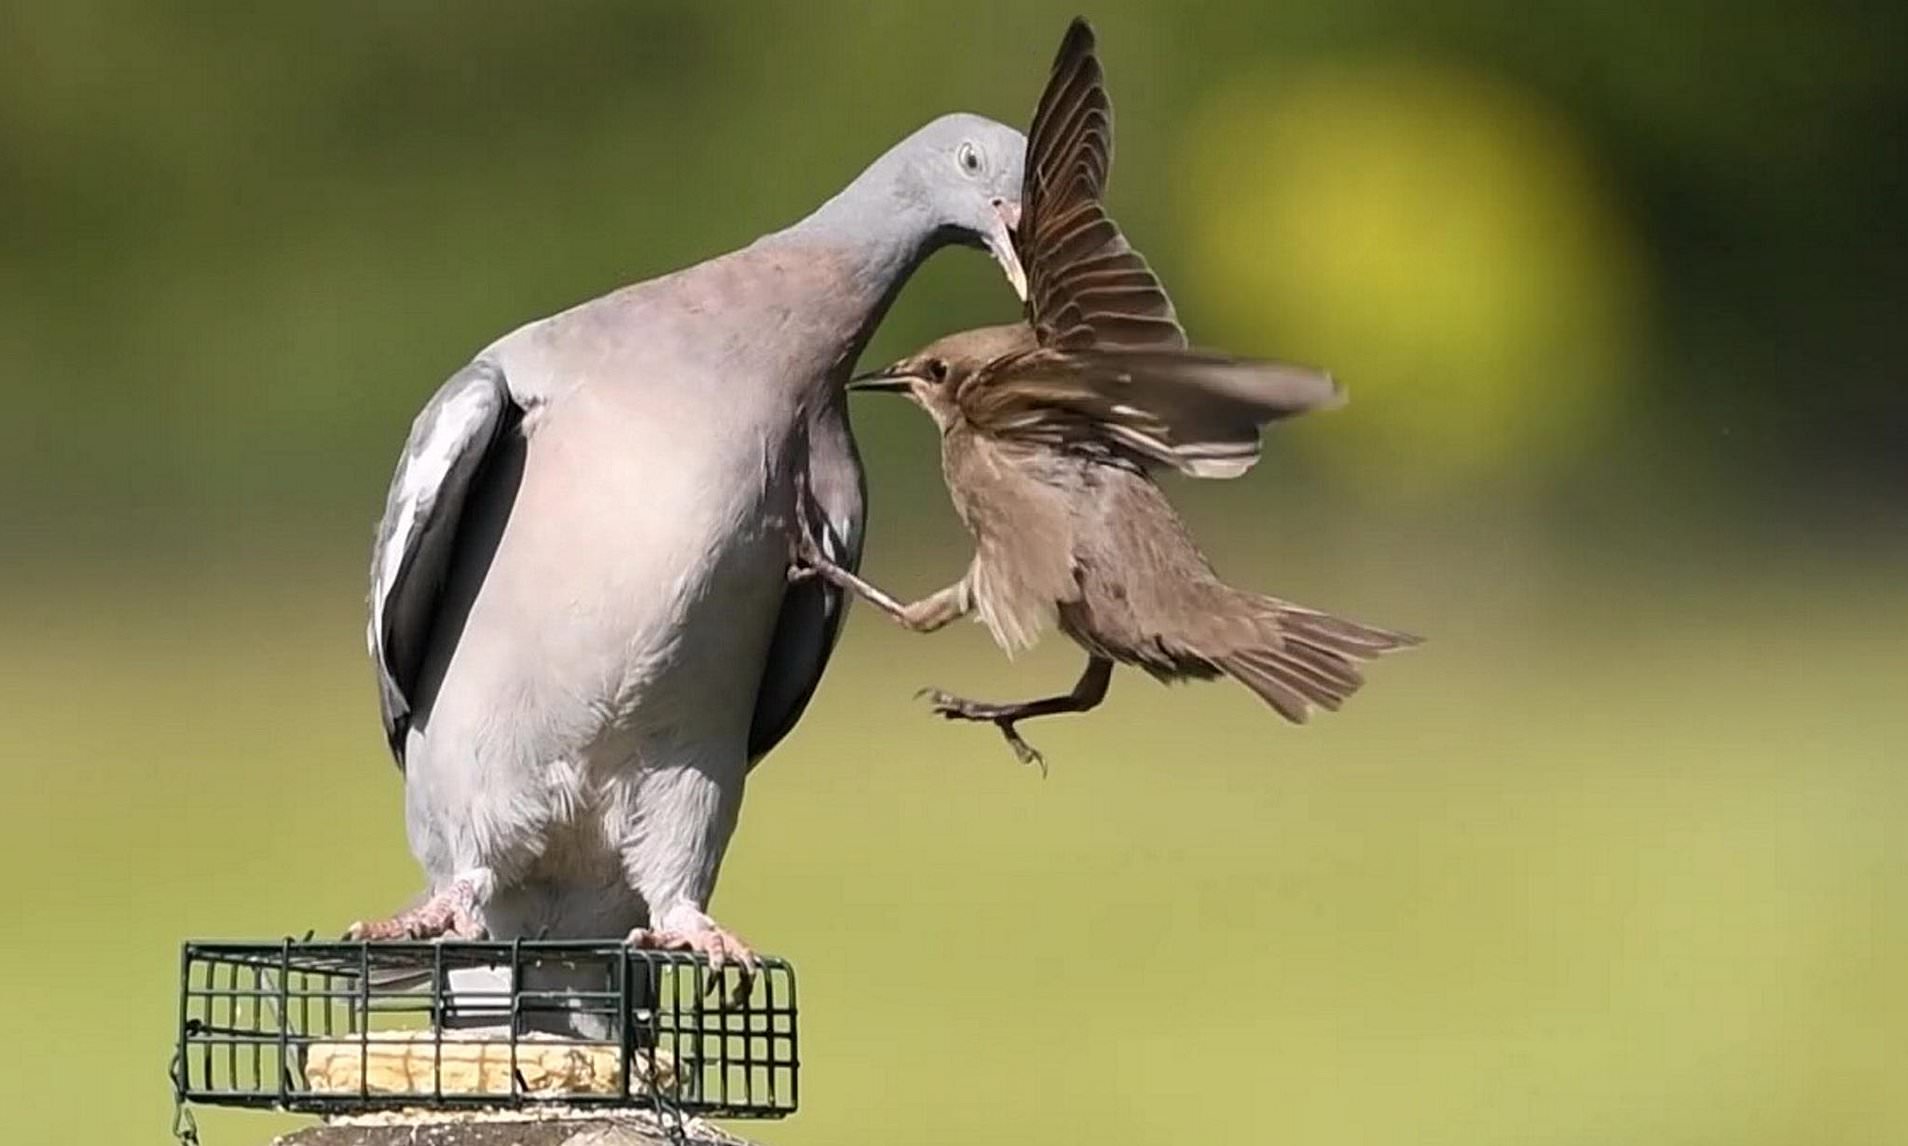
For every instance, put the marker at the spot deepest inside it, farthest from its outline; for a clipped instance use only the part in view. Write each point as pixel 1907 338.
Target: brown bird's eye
pixel 937 369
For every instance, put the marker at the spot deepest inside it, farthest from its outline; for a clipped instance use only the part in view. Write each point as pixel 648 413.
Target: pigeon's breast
pixel 626 609
pixel 679 537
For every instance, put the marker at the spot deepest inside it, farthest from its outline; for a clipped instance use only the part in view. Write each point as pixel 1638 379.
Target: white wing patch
pixel 434 448
pixel 443 457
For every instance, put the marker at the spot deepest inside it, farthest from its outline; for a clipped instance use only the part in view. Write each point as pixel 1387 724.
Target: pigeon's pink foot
pixel 450 913
pixel 686 929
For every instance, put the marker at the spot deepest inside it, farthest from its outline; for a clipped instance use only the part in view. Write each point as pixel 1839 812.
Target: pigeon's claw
pixel 449 913
pixel 698 933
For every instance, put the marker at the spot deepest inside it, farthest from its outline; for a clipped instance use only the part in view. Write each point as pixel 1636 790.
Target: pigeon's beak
pixel 1000 243
pixel 887 380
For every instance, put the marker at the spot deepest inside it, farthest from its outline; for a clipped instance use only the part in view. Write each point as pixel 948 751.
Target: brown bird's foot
pixel 691 930
pixel 803 556
pixel 449 913
pixel 1001 716
pixel 806 560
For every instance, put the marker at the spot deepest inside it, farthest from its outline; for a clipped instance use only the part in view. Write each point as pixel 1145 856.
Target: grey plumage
pixel 580 623
pixel 1049 428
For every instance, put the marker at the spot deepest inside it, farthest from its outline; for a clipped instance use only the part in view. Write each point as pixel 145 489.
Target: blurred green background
pixel 1616 858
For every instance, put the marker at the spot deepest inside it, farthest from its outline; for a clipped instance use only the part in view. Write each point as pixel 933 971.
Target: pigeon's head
pixel 965 172
pixel 933 376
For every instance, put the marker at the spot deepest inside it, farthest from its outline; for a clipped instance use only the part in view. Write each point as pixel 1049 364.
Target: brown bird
pixel 1049 429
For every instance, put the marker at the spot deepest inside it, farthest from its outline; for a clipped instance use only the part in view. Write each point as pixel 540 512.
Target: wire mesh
pixel 345 1027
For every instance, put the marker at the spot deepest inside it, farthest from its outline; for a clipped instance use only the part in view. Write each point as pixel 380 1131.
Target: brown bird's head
pixel 932 376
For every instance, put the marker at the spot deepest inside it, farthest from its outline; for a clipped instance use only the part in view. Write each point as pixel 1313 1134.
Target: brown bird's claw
pixel 806 558
pixel 803 556
pixel 960 708
pixel 948 705
pixel 1027 753
pixel 1001 716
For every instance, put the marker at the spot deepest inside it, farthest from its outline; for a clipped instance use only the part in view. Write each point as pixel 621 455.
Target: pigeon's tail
pixel 1302 658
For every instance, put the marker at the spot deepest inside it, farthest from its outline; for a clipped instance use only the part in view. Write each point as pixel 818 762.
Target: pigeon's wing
pixel 1197 412
pixel 1086 286
pixel 452 438
pixel 834 506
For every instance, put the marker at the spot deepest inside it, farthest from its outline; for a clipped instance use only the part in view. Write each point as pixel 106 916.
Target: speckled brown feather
pixel 1197 412
pixel 1149 598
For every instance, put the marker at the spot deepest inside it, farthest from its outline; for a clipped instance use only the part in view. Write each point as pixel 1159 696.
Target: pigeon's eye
pixel 937 369
pixel 970 159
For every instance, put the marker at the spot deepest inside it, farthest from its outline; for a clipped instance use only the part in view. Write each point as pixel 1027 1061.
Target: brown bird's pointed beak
pixel 887 380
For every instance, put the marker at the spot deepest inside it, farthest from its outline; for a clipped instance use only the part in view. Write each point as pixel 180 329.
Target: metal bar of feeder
pixel 437 1023
pixel 624 1022
pixel 364 1027
pixel 516 1011
pixel 284 1020
pixel 182 1082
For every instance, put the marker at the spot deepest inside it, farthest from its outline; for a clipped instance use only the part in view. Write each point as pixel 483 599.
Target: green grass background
pixel 1616 857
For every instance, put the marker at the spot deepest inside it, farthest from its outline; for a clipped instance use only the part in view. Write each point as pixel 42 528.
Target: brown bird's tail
pixel 1306 658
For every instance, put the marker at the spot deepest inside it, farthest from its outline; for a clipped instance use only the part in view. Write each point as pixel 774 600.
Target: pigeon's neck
pixel 880 215
pixel 884 241
pixel 868 239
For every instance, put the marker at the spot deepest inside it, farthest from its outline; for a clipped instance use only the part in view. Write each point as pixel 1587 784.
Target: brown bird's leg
pixel 1087 693
pixel 924 616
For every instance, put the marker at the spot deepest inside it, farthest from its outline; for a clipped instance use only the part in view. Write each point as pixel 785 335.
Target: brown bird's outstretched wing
pixel 1112 368
pixel 1197 412
pixel 1086 286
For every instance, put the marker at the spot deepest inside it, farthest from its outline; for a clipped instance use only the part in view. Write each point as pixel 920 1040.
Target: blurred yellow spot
pixel 1438 241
